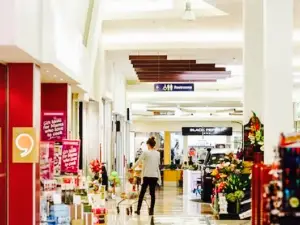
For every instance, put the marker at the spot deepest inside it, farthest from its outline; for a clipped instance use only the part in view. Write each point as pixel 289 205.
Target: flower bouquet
pixel 95 168
pixel 231 180
pixel 256 133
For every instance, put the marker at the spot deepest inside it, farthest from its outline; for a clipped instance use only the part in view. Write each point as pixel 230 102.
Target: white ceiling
pixel 158 9
pixel 216 36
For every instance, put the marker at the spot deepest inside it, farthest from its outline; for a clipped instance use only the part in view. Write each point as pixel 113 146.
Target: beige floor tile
pixel 171 209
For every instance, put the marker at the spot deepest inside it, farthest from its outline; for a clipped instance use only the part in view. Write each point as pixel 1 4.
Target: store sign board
pixel 25 145
pixel 47 160
pixel 209 131
pixel 70 156
pixel 176 87
pixel 163 113
pixel 53 126
pixel 57 160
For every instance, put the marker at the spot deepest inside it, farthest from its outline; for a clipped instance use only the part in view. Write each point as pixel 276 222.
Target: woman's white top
pixel 151 162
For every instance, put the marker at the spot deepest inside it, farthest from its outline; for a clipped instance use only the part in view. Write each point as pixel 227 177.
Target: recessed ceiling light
pixel 61 79
pixel 47 71
pixel 54 75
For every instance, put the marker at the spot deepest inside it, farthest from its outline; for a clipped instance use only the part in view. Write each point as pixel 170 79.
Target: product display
pixel 60 214
pixel 74 199
pixel 232 188
pixel 281 202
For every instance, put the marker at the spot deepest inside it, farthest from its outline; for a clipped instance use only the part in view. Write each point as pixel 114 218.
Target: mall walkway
pixel 172 208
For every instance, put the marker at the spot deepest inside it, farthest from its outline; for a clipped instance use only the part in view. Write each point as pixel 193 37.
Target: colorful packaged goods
pixel 60 214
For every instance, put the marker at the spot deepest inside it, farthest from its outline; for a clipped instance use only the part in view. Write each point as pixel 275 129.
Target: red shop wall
pixel 3 109
pixel 21 209
pixel 54 97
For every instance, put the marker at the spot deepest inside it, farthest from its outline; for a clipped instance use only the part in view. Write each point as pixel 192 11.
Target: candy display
pixel 290 176
pixel 281 198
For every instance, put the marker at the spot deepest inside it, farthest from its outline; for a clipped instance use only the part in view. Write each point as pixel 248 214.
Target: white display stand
pixel 190 183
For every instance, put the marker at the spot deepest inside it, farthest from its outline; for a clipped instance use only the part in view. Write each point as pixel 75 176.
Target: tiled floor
pixel 172 208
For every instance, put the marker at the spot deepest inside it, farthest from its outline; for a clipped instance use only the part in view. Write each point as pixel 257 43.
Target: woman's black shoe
pixel 137 212
pixel 151 212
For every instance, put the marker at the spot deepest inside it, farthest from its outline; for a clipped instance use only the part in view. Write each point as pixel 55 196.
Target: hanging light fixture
pixel 188 13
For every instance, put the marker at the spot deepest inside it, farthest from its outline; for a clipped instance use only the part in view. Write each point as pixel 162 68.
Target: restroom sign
pixel 25 145
pixel 173 87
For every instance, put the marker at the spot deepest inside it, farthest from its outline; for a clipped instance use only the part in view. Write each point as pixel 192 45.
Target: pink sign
pixel 70 156
pixel 53 126
pixel 47 160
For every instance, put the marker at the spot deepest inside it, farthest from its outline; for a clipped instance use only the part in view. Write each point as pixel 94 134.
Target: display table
pixel 190 187
pixel 171 177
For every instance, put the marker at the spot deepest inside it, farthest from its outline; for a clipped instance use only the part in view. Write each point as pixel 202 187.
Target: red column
pixel 23 111
pixel 3 163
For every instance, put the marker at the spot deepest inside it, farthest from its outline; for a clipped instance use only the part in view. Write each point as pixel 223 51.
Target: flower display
pixel 231 177
pixel 96 169
pixel 95 166
pixel 255 133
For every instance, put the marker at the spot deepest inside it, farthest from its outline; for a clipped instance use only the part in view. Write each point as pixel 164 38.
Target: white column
pixel 69 112
pixel 36 124
pixel 278 80
pixel 253 58
pixel 185 148
pixel 268 27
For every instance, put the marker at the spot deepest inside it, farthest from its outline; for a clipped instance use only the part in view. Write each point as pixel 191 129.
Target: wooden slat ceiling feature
pixel 158 68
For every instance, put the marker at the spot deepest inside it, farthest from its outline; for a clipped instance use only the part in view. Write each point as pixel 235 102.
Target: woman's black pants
pixel 151 182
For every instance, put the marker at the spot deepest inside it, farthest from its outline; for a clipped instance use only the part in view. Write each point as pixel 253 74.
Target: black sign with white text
pixel 210 131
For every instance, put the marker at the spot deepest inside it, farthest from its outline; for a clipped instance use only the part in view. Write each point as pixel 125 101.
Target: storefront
pixel 198 139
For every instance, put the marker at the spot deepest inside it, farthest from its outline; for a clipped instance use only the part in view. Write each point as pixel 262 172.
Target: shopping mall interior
pixel 86 86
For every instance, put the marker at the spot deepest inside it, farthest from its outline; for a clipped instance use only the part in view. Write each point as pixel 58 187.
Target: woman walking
pixel 151 174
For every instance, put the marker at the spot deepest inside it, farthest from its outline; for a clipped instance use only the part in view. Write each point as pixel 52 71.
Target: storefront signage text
pixel 210 131
pixel 70 156
pixel 53 126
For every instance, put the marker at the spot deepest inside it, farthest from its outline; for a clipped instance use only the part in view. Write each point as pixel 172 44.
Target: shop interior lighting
pixel 188 15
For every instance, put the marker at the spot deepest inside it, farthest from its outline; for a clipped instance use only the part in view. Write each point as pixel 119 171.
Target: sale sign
pixel 70 156
pixel 53 126
pixel 47 160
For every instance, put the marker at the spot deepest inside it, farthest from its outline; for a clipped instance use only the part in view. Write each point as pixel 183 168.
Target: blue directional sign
pixel 176 87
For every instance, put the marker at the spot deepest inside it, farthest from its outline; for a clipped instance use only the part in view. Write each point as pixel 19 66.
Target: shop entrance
pixel 3 146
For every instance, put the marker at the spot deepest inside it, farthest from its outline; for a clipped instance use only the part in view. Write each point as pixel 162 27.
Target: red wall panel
pixel 54 97
pixel 3 121
pixel 20 115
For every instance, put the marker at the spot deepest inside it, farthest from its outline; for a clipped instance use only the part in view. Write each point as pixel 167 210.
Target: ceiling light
pixel 178 112
pixel 54 75
pixel 188 14
pixel 47 71
pixel 61 79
